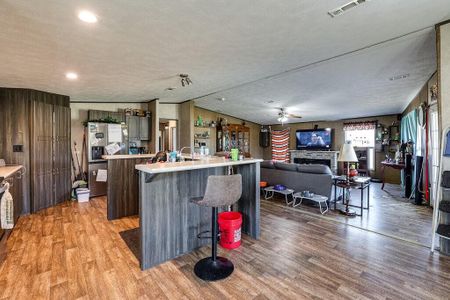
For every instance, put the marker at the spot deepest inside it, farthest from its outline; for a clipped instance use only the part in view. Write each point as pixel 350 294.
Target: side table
pixel 270 191
pixel 316 198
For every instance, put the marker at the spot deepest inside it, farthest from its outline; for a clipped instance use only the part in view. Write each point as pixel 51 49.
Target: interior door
pixel 61 162
pixel 42 185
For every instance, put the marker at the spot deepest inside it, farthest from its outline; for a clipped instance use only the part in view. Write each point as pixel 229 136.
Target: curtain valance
pixel 360 125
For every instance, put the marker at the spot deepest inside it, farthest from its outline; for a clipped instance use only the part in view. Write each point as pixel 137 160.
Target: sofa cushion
pixel 313 169
pixel 285 166
pixel 268 164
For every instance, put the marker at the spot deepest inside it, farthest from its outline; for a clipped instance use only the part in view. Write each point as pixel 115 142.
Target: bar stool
pixel 220 191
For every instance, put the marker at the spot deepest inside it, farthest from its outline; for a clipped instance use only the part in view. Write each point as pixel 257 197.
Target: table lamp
pixel 347 154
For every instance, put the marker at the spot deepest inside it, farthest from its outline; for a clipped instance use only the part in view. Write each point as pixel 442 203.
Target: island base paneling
pixel 123 187
pixel 170 223
pixel 249 203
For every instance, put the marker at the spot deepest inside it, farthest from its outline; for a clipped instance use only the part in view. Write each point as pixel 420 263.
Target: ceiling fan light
pixel 282 119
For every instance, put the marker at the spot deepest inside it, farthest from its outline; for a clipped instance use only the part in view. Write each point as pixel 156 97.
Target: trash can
pixel 83 194
pixel 230 229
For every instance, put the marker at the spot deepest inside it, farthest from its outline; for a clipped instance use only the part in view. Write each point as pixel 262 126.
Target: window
pixel 361 138
pixel 362 135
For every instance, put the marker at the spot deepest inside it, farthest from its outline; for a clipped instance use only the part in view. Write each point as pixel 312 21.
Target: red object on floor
pixel 230 229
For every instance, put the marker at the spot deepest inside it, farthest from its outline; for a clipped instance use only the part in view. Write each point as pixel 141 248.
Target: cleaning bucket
pixel 230 229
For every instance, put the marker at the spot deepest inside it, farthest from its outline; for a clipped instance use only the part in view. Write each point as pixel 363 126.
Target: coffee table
pixel 270 191
pixel 315 198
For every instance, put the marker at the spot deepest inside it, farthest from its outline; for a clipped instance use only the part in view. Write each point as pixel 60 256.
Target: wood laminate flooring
pixel 389 213
pixel 71 251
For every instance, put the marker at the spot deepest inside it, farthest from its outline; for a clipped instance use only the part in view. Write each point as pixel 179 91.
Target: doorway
pixel 168 135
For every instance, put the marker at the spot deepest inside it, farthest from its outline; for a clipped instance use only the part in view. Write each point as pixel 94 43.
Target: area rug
pixel 131 238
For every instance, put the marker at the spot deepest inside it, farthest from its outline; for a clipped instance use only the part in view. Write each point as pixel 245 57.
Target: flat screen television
pixel 314 139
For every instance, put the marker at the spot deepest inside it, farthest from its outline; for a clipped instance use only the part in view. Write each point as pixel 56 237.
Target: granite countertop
pixel 129 156
pixel 211 162
pixel 9 170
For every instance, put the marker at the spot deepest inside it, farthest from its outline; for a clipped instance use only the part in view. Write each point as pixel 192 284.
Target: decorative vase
pixel 353 173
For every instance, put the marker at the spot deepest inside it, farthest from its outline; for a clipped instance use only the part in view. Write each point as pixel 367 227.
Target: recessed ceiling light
pixel 71 75
pixel 87 16
pixel 221 99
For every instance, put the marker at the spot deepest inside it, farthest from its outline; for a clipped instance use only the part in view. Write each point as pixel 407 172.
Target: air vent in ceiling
pixel 397 77
pixel 346 7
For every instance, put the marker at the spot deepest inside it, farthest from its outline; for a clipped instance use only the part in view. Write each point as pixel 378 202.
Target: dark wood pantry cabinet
pixel 35 133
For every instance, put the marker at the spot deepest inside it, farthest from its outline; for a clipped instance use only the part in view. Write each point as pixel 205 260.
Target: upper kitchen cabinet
pixel 138 128
pixel 133 128
pixel 144 128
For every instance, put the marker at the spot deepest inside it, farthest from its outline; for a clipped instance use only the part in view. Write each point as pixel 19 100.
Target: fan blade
pixel 294 116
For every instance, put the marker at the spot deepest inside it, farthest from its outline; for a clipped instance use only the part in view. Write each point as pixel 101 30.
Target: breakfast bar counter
pixel 170 223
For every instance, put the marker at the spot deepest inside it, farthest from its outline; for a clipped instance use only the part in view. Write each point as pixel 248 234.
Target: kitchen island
pixel 123 184
pixel 170 223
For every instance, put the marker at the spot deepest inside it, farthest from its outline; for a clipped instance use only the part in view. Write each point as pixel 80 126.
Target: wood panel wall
pixel 15 129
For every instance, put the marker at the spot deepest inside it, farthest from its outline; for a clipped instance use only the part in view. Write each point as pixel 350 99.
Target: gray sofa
pixel 299 177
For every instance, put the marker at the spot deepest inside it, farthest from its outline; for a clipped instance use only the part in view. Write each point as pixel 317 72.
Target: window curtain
pixel 408 133
pixel 280 145
pixel 408 128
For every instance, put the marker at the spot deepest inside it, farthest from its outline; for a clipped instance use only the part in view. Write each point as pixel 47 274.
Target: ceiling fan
pixel 283 116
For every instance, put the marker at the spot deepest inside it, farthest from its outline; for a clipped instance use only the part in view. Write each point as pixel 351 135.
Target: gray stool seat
pixel 220 191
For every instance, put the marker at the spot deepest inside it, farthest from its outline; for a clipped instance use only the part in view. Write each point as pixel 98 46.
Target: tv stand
pixel 323 157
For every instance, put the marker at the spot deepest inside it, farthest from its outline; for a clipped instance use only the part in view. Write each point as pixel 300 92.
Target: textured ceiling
pixel 138 47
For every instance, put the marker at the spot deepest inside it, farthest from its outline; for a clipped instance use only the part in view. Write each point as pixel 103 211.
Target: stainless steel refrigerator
pixel 99 136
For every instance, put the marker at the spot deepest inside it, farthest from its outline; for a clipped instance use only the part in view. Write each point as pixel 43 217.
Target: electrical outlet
pixel 17 148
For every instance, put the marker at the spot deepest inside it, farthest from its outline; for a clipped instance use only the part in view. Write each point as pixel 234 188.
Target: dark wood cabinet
pixel 144 128
pixel 233 136
pixel 61 157
pixel 41 155
pixel 133 128
pixel 50 155
pixel 36 127
pixel 138 128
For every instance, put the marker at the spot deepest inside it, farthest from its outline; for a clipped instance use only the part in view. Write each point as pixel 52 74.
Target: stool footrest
pixel 202 236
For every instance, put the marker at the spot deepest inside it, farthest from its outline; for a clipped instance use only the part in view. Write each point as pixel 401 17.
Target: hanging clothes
pixel 6 208
pixel 409 133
